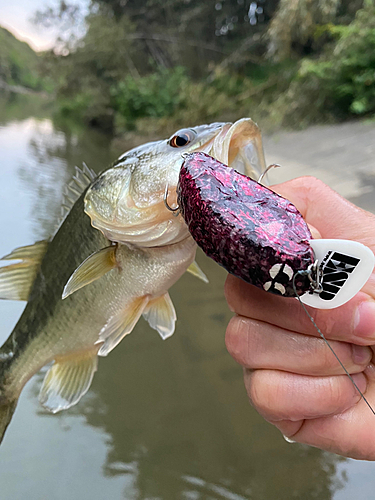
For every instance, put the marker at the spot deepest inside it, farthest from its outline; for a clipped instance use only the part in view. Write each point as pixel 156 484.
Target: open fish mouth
pixel 239 145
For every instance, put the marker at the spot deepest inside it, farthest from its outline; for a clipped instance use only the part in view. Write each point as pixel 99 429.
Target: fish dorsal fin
pixel 68 379
pixel 91 269
pixel 121 324
pixel 161 315
pixel 196 271
pixel 79 182
pixel 17 279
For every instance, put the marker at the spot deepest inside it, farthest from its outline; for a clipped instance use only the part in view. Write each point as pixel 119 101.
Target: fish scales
pixel 250 230
pixel 51 327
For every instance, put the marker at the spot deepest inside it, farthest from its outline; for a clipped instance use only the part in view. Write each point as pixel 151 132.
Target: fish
pixel 111 260
pixel 253 232
pixel 125 207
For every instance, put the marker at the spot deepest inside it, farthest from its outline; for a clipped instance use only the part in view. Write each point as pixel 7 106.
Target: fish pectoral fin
pixel 196 271
pixel 17 279
pixel 161 315
pixel 91 269
pixel 68 379
pixel 121 324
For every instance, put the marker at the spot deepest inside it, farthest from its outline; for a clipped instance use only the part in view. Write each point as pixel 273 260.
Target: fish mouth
pixel 239 145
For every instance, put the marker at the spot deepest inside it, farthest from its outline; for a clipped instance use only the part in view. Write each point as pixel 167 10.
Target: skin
pixel 291 377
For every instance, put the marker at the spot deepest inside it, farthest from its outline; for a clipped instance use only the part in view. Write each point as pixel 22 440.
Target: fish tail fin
pixel 7 408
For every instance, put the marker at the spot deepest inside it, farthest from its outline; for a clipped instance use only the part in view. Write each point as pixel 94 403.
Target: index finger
pixel 331 214
pixel 353 322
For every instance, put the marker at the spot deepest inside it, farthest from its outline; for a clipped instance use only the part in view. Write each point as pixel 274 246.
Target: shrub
pixel 155 95
pixel 341 83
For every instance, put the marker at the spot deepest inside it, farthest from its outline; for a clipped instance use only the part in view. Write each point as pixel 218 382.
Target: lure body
pixel 251 231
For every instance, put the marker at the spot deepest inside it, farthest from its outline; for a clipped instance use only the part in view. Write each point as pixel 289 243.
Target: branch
pixel 172 39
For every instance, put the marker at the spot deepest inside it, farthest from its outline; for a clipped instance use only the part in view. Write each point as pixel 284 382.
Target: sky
pixel 15 16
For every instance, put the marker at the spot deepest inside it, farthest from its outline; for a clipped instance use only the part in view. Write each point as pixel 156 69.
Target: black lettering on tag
pixel 336 268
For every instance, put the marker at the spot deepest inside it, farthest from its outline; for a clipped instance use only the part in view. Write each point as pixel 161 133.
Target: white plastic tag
pixel 345 265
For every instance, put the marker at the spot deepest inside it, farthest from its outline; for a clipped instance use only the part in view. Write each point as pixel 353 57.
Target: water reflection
pixel 163 420
pixel 51 157
pixel 184 418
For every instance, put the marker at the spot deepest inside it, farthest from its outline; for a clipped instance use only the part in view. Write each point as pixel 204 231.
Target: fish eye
pixel 181 138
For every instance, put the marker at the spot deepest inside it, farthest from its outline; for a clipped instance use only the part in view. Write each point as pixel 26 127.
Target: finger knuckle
pixel 238 340
pixel 262 396
pixel 231 335
pixel 326 362
pixel 335 392
pixel 308 183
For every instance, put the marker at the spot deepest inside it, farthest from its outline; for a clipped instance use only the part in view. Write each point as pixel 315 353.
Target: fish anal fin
pixel 161 315
pixel 196 271
pixel 121 324
pixel 91 269
pixel 68 379
pixel 17 279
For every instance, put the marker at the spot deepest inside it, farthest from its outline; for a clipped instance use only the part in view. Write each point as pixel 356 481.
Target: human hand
pixel 291 377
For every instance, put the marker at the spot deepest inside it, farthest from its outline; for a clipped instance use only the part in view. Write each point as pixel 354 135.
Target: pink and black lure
pixel 251 231
pixel 244 226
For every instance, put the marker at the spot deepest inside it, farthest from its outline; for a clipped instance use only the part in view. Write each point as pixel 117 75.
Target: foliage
pixel 18 62
pixel 155 95
pixel 295 22
pixel 191 33
pixel 341 83
pixel 85 76
pixel 163 62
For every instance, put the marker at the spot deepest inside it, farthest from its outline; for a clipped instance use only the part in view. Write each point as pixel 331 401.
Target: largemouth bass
pixel 87 288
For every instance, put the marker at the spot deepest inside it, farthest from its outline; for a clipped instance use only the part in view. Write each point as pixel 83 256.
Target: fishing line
pixel 308 272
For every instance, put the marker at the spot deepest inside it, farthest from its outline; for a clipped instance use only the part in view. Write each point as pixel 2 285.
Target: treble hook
pixel 176 210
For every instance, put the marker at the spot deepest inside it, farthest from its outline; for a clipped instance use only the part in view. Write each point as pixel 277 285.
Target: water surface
pixel 163 419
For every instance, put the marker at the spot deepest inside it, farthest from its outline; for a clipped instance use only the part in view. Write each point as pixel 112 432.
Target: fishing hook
pixel 176 210
pixel 274 165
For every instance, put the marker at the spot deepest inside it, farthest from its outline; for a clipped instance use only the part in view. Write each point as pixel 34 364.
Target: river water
pixel 163 420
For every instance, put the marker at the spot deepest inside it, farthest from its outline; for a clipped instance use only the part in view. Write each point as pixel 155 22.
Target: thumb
pixel 328 212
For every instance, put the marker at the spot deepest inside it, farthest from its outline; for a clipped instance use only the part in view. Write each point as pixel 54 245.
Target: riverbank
pixel 342 156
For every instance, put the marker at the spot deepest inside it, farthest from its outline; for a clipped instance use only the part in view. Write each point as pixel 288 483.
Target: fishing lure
pixel 261 237
pixel 244 226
